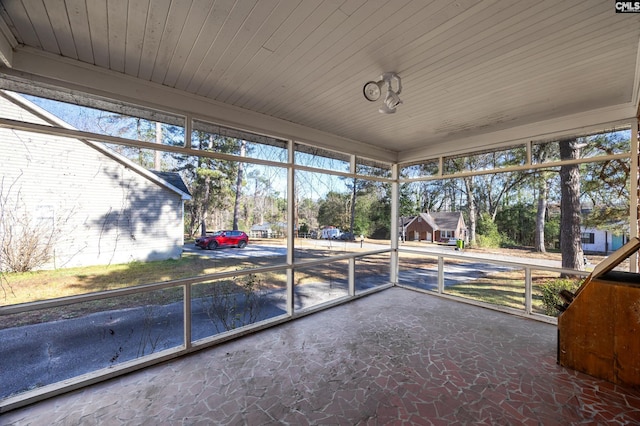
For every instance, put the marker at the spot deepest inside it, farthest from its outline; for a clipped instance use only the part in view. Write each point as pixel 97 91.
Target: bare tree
pixel 543 192
pixel 471 205
pixel 352 213
pixel 207 200
pixel 541 180
pixel 27 241
pixel 236 204
pixel 236 302
pixel 157 157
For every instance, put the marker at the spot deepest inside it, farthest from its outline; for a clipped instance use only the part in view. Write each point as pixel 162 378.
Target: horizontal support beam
pixel 570 125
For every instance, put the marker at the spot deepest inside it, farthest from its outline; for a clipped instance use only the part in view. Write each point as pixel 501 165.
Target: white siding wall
pixel 107 213
pixel 601 240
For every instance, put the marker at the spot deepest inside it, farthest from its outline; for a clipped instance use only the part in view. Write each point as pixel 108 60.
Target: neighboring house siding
pixel 450 224
pixel 419 229
pixel 105 212
pixel 593 240
pixel 599 241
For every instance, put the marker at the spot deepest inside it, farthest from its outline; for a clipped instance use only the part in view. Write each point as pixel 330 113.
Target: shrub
pixel 27 237
pixel 550 291
pixel 488 241
pixel 487 234
pixel 233 304
pixel 24 244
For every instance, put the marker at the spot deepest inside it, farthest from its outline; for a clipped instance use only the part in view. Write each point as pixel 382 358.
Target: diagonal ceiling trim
pixel 7 43
pixel 57 71
pixel 636 82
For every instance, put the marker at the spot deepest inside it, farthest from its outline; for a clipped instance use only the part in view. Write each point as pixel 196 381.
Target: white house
pixel 96 206
pixel 331 233
pixel 601 241
pixel 261 231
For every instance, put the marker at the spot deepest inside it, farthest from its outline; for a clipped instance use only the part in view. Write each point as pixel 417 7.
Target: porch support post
pixel 440 274
pixel 186 293
pixel 633 193
pixel 528 292
pixel 291 226
pixel 395 203
pixel 352 277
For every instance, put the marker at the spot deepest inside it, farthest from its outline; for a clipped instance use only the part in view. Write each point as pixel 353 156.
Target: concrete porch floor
pixel 394 357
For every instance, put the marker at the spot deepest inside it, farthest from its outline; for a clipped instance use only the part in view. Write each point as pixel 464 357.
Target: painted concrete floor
pixel 395 357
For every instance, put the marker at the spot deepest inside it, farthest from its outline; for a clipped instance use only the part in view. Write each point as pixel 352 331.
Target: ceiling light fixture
pixel 373 90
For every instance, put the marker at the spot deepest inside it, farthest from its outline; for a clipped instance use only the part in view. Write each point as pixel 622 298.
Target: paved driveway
pixel 427 278
pixel 251 250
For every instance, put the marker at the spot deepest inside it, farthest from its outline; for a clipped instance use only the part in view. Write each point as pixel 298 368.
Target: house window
pixel 587 237
pixel 447 234
pixel 45 217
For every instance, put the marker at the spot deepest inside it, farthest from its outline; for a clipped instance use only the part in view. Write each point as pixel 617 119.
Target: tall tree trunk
pixel 236 205
pixel 541 156
pixel 205 207
pixel 471 204
pixel 570 243
pixel 543 188
pixel 207 196
pixel 352 213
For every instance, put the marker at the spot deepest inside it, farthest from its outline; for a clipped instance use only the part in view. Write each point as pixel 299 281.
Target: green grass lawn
pixel 43 285
pixel 50 284
pixel 503 289
pixel 507 289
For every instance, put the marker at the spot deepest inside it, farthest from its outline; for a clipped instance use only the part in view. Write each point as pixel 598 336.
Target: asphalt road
pixel 259 250
pixel 427 279
pixel 49 352
pixel 250 251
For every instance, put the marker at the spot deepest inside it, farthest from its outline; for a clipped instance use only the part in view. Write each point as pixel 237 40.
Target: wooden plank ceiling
pixel 474 72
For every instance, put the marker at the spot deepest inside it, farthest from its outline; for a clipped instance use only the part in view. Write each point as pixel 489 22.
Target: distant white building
pixel 268 230
pixel 600 241
pixel 261 231
pixel 330 233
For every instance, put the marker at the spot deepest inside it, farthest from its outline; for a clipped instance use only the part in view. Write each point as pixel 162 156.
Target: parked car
pixel 223 239
pixel 347 236
pixel 452 241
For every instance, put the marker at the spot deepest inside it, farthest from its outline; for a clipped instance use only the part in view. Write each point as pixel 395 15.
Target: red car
pixel 223 239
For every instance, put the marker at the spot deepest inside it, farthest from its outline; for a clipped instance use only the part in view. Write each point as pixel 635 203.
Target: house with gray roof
pixel 90 204
pixel 434 227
